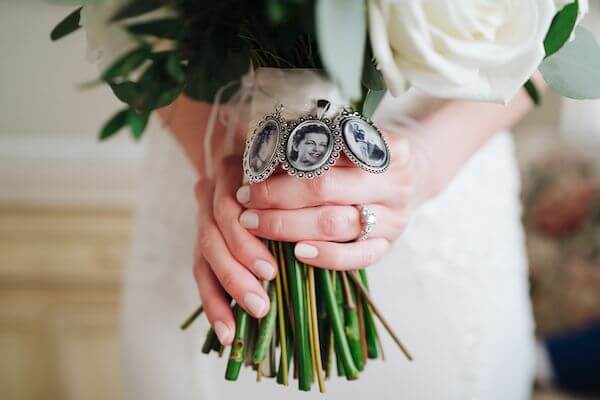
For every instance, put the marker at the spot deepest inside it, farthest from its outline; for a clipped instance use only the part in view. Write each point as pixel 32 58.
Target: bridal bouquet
pixel 329 63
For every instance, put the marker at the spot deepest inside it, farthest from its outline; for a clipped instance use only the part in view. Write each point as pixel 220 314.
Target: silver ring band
pixel 368 219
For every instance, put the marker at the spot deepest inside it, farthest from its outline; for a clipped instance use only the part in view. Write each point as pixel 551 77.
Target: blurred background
pixel 67 204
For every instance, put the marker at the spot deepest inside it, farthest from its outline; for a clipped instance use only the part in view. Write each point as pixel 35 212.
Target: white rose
pixel 477 50
pixel 107 42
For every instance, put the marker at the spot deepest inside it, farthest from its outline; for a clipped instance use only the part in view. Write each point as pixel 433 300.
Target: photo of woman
pixel 263 147
pixel 309 145
pixel 365 143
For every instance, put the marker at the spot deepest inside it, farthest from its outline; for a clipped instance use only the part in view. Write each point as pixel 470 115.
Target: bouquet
pixel 326 63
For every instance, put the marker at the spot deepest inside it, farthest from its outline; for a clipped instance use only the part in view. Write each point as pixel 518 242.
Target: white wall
pixel 49 153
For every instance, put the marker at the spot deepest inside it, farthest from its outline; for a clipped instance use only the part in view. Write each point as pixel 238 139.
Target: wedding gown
pixel 454 288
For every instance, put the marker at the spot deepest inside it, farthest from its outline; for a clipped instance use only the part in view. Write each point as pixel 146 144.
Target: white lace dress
pixel 454 287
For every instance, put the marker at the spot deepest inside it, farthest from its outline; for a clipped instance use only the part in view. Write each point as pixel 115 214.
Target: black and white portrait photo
pixel 309 145
pixel 365 142
pixel 263 148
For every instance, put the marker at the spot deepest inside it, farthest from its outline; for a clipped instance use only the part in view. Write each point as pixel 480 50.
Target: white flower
pixel 107 42
pixel 469 49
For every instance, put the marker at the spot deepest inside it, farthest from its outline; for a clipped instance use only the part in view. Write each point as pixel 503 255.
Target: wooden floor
pixel 59 292
pixel 59 295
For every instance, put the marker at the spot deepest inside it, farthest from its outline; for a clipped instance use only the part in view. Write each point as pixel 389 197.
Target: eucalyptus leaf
pixel 127 92
pixel 118 121
pixel 135 8
pixel 372 77
pixel 126 64
pixel 174 68
pixel 164 28
pixel 574 71
pixel 341 35
pixel 533 93
pixel 137 122
pixel 67 26
pixel 372 101
pixel 561 28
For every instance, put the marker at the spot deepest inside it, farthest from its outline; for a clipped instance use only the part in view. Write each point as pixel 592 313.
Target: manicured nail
pixel 243 194
pixel 255 304
pixel 264 269
pixel 305 251
pixel 249 220
pixel 221 330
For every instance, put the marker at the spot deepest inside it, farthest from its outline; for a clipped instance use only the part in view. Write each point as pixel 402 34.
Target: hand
pixel 320 214
pixel 229 261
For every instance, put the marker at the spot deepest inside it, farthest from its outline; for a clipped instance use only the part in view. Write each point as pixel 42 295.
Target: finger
pixel 235 279
pixel 325 223
pixel 342 186
pixel 215 302
pixel 246 248
pixel 342 256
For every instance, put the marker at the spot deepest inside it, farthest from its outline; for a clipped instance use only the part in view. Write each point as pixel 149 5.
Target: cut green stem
pixel 236 356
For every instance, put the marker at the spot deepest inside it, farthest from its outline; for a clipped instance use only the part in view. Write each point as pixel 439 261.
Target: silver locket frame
pixel 251 175
pixel 347 116
pixel 334 147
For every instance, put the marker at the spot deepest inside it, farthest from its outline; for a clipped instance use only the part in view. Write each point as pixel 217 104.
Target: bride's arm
pixel 464 127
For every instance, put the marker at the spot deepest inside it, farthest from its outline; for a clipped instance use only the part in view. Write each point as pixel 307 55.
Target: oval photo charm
pixel 260 156
pixel 364 144
pixel 310 147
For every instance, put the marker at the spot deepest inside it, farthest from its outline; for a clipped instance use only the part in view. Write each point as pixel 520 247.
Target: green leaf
pixel 136 8
pixel 127 92
pixel 532 92
pixel 68 25
pixel 115 124
pixel 174 68
pixel 574 71
pixel 137 122
pixel 341 34
pixel 372 77
pixel 561 28
pixel 165 28
pixel 127 63
pixel 372 101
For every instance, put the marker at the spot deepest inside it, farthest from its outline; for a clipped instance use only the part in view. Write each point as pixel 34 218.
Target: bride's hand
pixel 228 259
pixel 320 214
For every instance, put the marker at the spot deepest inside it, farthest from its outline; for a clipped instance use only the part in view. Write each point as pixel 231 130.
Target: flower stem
pixel 370 327
pixel 312 296
pixel 340 339
pixel 296 276
pixel 236 356
pixel 377 312
pixel 267 327
pixel 352 324
pixel 189 320
pixel 209 341
pixel 283 363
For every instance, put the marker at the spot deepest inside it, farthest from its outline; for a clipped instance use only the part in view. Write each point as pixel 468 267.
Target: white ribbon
pixel 264 89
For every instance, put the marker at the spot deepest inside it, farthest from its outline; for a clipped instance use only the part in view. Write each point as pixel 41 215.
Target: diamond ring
pixel 367 222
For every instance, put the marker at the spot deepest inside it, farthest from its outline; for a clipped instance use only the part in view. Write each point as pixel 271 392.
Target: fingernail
pixel 255 304
pixel 221 330
pixel 249 220
pixel 243 194
pixel 264 269
pixel 305 251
